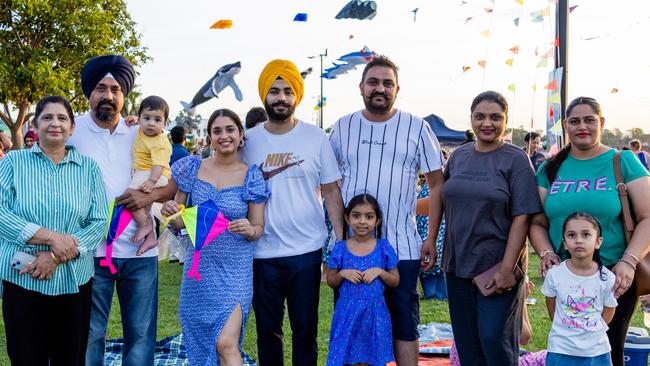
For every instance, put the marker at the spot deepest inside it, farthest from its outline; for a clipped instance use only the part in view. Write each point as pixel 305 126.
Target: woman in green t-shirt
pixel 581 178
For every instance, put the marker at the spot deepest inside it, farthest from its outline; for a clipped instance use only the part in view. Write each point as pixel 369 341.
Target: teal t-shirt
pixel 589 186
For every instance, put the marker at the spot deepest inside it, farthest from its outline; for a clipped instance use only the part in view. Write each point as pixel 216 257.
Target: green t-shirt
pixel 589 186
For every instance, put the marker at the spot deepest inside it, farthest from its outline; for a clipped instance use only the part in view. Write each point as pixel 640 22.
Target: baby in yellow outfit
pixel 151 154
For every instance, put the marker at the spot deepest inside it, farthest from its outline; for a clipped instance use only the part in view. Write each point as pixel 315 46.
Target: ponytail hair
pixel 553 165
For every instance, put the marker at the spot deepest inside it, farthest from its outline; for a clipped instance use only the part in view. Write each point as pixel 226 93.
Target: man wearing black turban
pixel 103 135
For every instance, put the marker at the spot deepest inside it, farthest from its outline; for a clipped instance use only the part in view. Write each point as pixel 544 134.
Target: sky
pixel 607 50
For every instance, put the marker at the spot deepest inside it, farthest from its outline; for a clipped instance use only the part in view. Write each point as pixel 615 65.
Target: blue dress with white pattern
pixel 226 265
pixel 361 326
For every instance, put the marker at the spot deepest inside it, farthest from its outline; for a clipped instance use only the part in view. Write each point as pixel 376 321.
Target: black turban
pixel 97 67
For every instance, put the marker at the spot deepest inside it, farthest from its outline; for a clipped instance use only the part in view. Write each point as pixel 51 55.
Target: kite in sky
pixel 224 77
pixel 222 24
pixel 120 218
pixel 300 17
pixel 357 9
pixel 305 73
pixel 351 61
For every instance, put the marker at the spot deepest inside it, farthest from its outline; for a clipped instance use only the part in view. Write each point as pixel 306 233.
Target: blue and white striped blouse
pixel 68 198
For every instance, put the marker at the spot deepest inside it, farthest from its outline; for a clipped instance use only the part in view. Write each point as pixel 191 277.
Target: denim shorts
pixel 558 359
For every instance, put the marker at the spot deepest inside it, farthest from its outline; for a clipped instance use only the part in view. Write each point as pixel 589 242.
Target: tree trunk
pixel 17 126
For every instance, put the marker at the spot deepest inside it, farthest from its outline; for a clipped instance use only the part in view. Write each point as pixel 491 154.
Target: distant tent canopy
pixel 445 135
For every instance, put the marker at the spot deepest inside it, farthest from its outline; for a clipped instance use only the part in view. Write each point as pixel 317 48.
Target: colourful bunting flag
pixel 555 98
pixel 465 68
pixel 509 62
pixel 511 87
pixel 549 53
pixel 572 8
pixel 120 218
pixel 534 87
pixel 486 33
pixel 520 2
pixel 203 222
pixel 488 10
pixel 542 63
pixel 482 63
pixel 537 19
pixel 556 43
pixel 468 19
pixel 557 127
pixel 551 112
pixel 516 21
pixel 552 85
pixel 515 50
pixel 614 90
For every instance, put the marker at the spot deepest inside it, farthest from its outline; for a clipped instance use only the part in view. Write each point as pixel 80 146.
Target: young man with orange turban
pixel 298 164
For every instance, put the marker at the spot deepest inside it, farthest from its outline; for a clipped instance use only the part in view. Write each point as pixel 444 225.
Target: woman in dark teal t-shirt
pixel 581 178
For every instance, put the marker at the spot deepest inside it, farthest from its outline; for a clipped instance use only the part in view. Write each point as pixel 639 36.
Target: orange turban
pixel 286 70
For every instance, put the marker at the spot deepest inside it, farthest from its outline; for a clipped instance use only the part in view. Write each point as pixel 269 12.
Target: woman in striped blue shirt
pixel 52 206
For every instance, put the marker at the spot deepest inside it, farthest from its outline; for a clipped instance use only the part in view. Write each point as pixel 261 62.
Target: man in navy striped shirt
pixel 380 151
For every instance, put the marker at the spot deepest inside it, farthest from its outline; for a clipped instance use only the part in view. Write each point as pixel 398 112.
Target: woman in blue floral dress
pixel 214 310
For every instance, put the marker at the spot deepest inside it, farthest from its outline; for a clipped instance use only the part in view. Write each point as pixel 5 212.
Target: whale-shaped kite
pixel 224 77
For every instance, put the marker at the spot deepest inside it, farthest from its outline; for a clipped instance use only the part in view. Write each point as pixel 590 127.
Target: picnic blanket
pixel 170 351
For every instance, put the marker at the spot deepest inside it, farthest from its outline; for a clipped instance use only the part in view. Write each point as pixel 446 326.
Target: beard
pixel 279 116
pixel 106 115
pixel 374 108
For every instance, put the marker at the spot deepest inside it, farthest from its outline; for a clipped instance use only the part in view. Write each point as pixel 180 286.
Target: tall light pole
pixel 320 98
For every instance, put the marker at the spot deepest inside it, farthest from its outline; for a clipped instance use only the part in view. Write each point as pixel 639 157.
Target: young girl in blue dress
pixel 360 267
pixel 580 298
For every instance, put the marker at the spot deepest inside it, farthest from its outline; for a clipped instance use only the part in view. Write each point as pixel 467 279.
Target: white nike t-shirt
pixel 295 164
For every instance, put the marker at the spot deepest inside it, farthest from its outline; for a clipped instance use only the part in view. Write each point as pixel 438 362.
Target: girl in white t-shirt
pixel 579 298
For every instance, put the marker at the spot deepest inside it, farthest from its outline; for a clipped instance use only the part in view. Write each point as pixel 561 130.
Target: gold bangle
pixel 628 262
pixel 633 257
pixel 56 260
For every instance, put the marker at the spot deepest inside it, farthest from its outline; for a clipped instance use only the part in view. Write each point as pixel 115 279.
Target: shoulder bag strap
pixel 628 221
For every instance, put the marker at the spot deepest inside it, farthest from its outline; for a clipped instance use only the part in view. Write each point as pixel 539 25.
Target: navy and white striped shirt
pixel 67 197
pixel 383 159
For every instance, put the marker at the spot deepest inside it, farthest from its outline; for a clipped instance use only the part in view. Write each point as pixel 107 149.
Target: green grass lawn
pixel 430 311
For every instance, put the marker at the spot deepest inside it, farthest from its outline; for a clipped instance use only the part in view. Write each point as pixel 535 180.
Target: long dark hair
pixel 553 165
pixel 596 224
pixel 360 200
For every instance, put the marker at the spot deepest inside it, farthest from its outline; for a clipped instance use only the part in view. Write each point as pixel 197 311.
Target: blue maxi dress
pixel 361 326
pixel 226 264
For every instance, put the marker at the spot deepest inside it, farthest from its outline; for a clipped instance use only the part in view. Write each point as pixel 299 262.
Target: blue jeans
pixel 557 359
pixel 137 291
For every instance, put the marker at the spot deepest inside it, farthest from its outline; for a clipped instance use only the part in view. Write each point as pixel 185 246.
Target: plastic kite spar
pixel 203 222
pixel 120 218
pixel 224 77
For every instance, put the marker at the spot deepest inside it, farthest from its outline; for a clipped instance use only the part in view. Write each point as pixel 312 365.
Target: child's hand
pixel 353 275
pixel 131 120
pixel 370 274
pixel 529 288
pixel 169 208
pixel 147 187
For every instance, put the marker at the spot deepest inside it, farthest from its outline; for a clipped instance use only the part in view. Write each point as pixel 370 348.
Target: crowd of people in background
pixel 269 177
